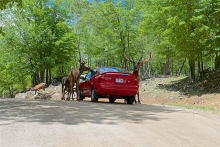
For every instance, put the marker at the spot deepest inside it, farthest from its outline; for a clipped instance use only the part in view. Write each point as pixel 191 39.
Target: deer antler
pixel 147 59
pixel 127 57
pixel 140 59
pixel 84 62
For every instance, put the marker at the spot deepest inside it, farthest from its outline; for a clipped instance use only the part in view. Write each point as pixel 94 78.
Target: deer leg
pixel 73 91
pixel 135 101
pixel 64 92
pixel 77 89
pixel 70 91
pixel 72 94
pixel 139 102
pixel 62 98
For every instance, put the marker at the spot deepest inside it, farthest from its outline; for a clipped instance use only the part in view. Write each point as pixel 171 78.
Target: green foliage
pixel 37 37
pixel 44 34
pixel 4 3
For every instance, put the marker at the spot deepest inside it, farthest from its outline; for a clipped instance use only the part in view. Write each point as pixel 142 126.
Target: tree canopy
pixel 47 37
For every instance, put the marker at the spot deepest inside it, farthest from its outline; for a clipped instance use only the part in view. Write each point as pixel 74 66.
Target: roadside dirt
pixel 168 90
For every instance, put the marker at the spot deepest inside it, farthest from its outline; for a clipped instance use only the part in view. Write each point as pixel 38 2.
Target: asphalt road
pixel 39 123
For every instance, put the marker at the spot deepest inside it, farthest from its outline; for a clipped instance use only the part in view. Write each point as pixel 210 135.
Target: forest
pixel 43 39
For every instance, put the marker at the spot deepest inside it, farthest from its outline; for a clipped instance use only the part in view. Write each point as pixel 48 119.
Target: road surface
pixel 39 123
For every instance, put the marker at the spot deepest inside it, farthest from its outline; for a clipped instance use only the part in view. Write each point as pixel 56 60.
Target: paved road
pixel 38 123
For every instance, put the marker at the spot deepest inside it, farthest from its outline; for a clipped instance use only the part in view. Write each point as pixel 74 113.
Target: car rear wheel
pixel 94 97
pixel 80 96
pixel 112 100
pixel 130 100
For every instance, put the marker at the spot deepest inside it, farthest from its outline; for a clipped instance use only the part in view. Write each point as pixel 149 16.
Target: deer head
pixel 82 66
pixel 139 63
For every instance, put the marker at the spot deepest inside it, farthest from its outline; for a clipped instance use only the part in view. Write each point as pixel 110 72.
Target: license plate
pixel 119 80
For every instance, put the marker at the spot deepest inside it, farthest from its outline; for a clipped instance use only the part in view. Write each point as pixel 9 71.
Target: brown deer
pixel 38 87
pixel 74 76
pixel 136 69
pixel 65 86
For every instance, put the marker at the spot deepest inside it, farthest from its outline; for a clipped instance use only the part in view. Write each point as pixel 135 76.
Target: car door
pixel 89 83
pixel 84 84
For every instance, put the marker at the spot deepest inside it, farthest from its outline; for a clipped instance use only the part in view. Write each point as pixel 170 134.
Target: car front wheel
pixel 94 97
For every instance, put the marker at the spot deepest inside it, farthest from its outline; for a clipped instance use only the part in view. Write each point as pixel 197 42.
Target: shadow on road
pixel 75 113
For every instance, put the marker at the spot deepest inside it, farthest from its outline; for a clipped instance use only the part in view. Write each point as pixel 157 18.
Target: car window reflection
pixel 113 69
pixel 88 75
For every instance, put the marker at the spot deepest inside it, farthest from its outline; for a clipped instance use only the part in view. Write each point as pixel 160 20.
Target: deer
pixel 73 78
pixel 38 87
pixel 65 86
pixel 136 70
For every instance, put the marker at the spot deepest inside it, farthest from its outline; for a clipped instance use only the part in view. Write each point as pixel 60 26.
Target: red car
pixel 109 82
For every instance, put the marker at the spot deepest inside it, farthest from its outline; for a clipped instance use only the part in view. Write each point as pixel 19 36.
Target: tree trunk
pixel 192 70
pixel 202 69
pixel 50 78
pixel 35 79
pixel 121 65
pixel 78 47
pixel 11 91
pixel 153 71
pixel 41 76
pixel 166 67
pixel 180 69
pixel 113 62
pixel 149 70
pixel 172 67
pixel 129 66
pixel 199 70
pixel 90 62
pixel 107 61
pixel 217 62
pixel 149 66
pixel 161 67
pixel 47 81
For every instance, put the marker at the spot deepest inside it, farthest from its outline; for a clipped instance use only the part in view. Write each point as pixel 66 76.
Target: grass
pixel 196 107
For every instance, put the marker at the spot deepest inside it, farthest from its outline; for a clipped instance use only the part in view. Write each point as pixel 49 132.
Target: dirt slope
pixel 174 90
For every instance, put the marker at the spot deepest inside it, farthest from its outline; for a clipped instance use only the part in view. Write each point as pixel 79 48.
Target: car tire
pixel 80 96
pixel 94 97
pixel 112 100
pixel 130 100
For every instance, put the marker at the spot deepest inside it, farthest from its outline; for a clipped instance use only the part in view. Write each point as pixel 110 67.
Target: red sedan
pixel 109 82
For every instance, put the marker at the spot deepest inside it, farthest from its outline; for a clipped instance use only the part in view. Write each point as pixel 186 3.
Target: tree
pixel 41 37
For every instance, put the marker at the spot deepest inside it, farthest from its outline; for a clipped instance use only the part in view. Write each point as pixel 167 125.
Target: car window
pixel 94 72
pixel 113 69
pixel 88 75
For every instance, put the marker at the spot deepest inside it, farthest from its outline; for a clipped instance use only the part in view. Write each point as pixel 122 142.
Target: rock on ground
pixel 21 95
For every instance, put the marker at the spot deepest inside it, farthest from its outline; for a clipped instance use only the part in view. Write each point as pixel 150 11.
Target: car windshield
pixel 112 69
